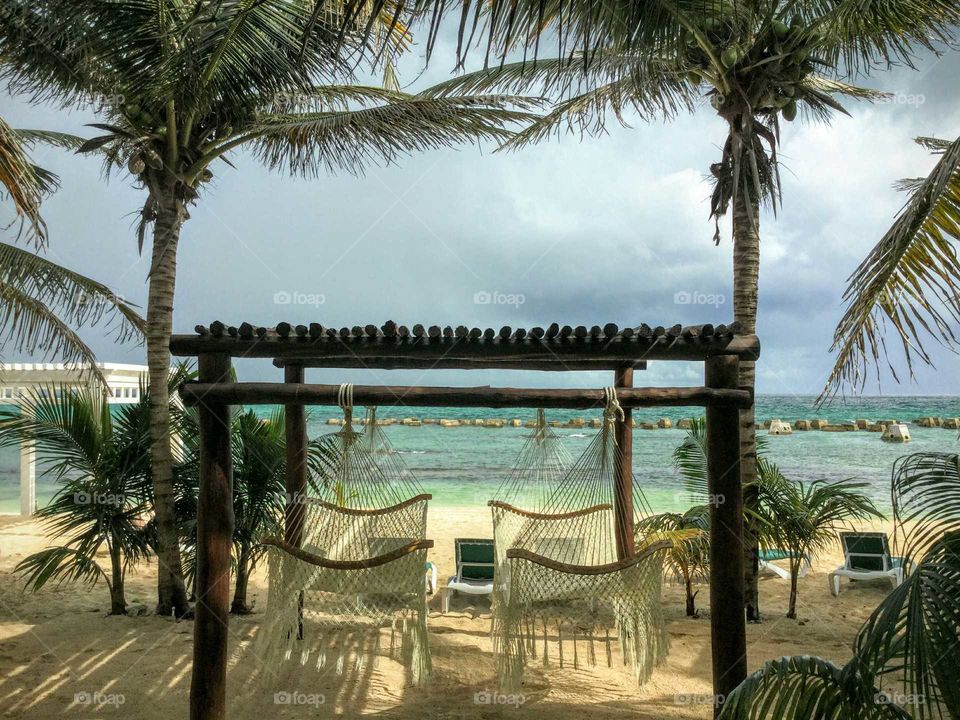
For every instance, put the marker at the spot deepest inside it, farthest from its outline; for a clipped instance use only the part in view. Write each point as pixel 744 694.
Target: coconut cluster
pixel 771 63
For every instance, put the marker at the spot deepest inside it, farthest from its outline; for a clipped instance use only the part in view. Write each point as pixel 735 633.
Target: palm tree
pixel 42 304
pixel 910 281
pixel 689 558
pixel 258 493
pixel 103 467
pixel 906 654
pixel 187 83
pixel 756 64
pixel 804 518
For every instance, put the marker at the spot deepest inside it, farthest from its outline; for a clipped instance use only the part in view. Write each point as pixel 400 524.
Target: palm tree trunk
pixel 792 607
pixel 746 271
pixel 691 597
pixel 118 602
pixel 171 214
pixel 239 604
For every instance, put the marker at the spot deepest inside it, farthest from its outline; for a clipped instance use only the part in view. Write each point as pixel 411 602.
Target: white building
pixel 19 380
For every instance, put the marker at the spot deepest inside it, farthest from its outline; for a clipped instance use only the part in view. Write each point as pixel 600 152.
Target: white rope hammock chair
pixel 561 595
pixel 354 589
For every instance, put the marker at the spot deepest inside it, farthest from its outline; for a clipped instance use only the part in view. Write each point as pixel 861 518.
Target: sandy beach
pixel 61 655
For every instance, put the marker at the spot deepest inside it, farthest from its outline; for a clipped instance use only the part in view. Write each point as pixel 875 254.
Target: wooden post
pixel 728 627
pixel 215 521
pixel 295 426
pixel 28 478
pixel 296 483
pixel 623 490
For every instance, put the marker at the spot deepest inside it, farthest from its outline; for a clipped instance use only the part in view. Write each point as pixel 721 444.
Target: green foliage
pixel 909 282
pixel 42 304
pixel 179 86
pixel 906 655
pixel 689 558
pixel 101 462
pixel 804 518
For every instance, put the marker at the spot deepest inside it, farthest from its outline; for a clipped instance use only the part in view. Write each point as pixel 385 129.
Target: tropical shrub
pixel 804 518
pixel 689 559
pixel 101 460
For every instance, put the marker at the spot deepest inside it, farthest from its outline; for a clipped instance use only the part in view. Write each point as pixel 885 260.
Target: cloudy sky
pixel 612 228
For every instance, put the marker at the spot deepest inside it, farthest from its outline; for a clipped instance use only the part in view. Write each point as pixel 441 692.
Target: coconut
pixel 790 111
pixel 780 29
pixel 136 165
pixel 731 56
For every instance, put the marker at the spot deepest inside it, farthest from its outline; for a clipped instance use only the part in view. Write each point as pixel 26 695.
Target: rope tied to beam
pixel 345 401
pixel 613 410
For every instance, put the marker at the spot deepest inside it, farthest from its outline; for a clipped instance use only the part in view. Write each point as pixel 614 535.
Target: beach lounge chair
pixel 866 557
pixel 768 558
pixel 475 563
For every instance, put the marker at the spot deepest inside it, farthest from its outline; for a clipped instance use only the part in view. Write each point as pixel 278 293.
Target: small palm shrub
pixel 101 461
pixel 804 518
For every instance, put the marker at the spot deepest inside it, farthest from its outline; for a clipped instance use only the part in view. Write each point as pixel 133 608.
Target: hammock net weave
pixel 353 590
pixel 562 597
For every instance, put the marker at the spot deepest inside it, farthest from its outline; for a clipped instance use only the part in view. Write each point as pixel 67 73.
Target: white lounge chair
pixel 768 557
pixel 866 557
pixel 475 563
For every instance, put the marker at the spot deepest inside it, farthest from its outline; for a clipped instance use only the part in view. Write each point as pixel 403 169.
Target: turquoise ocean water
pixel 464 465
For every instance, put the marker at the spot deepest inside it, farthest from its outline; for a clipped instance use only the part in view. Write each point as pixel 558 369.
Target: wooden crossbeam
pixel 252 393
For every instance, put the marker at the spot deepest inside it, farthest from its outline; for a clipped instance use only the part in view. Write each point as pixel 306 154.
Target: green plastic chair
pixel 475 564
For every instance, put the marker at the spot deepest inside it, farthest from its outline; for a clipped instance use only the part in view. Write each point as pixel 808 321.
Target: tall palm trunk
pixel 170 215
pixel 746 271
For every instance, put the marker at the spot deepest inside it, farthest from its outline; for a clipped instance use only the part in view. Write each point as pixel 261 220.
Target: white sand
pixel 59 644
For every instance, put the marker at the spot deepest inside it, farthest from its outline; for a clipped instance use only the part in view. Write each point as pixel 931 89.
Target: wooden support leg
pixel 215 521
pixel 295 422
pixel 623 492
pixel 728 623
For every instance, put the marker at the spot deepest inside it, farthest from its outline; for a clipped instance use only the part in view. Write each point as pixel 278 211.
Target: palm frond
pixel 67 426
pixel 909 282
pixel 61 564
pixel 926 500
pixel 861 36
pixel 20 180
pixel 690 459
pixel 44 303
pixel 912 640
pixel 806 688
pixel 348 140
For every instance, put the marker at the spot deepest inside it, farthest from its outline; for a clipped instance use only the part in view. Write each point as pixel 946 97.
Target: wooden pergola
pixel 390 346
